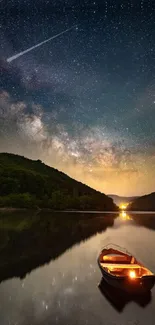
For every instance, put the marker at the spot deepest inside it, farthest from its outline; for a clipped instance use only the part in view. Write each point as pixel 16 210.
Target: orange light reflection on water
pixel 124 216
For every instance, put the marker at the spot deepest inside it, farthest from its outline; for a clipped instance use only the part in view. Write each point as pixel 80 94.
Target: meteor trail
pixel 16 56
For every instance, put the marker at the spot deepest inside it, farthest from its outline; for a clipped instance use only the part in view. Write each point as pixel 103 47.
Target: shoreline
pixel 9 209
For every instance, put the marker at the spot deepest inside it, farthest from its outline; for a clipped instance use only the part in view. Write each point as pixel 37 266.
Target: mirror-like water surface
pixel 52 277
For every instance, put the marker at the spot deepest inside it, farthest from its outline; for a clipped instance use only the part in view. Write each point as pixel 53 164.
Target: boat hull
pixel 142 284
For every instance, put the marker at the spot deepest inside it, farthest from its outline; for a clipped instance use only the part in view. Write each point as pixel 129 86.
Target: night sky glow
pixel 83 102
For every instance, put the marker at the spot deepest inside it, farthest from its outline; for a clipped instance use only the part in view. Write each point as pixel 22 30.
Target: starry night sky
pixel 84 102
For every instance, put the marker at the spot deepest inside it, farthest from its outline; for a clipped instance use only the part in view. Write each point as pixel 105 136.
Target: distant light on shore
pixel 123 206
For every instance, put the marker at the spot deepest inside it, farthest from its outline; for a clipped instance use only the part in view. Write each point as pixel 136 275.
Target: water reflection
pixel 27 242
pixel 65 291
pixel 144 219
pixel 125 216
pixel 119 299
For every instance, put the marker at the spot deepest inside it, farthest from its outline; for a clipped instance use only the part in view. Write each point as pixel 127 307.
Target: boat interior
pixel 123 265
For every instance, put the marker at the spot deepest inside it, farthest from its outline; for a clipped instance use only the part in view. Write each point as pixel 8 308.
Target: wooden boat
pixel 122 270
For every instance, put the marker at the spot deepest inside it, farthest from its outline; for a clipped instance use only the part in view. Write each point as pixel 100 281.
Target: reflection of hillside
pixel 42 239
pixel 145 220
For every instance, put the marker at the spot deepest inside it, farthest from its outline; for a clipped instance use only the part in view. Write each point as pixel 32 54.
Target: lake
pixel 53 277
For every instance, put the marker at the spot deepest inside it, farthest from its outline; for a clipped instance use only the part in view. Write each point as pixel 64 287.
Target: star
pixel 75 103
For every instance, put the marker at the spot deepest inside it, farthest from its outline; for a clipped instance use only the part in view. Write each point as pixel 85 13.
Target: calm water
pixel 65 291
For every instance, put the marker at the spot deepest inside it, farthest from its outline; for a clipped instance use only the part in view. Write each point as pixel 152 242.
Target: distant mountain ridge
pixel 122 199
pixel 143 203
pixel 26 183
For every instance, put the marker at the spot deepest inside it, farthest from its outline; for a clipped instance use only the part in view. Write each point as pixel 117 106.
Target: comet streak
pixel 16 56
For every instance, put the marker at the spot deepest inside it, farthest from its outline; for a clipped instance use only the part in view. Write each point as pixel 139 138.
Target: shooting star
pixel 16 56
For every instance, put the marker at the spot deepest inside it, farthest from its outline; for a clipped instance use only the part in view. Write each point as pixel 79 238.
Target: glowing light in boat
pixel 132 274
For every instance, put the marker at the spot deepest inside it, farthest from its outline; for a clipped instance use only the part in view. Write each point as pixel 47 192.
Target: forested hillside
pixel 143 203
pixel 26 183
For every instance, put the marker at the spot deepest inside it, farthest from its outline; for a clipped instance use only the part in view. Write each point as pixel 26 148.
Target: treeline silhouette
pixel 26 183
pixel 143 203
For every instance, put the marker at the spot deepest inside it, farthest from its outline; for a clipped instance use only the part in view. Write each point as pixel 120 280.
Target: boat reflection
pixel 119 299
pixel 125 216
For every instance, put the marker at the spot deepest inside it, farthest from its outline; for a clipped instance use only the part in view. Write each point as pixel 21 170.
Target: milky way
pixel 84 103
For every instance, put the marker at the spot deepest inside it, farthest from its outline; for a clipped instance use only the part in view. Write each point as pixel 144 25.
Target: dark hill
pixel 143 203
pixel 29 183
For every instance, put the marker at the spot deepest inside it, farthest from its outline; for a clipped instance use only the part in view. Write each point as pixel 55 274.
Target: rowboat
pixel 123 271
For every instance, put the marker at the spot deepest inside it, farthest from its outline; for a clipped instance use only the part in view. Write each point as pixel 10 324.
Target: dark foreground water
pixel 65 290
